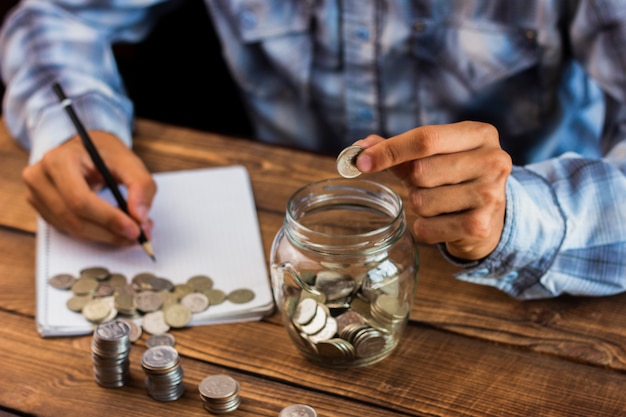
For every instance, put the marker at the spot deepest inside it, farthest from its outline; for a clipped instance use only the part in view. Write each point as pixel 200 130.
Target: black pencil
pixel 97 160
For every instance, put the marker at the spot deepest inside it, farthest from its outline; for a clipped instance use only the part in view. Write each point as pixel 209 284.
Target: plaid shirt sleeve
pixel 46 41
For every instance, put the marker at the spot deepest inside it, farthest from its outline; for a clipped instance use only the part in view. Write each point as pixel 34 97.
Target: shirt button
pixel 362 33
pixel 247 19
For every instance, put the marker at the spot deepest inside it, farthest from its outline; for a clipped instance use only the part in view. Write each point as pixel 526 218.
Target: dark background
pixel 177 75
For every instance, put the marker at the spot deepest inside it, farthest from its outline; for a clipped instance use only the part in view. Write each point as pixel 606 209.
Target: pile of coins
pixel 101 296
pixel 336 318
pixel 164 373
pixel 219 394
pixel 110 349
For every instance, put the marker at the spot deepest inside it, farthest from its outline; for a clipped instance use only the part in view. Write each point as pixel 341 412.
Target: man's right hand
pixel 62 185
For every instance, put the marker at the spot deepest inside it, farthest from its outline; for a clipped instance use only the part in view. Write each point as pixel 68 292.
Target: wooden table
pixel 469 349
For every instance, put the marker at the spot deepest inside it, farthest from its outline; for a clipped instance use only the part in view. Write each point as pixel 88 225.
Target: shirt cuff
pixel 95 111
pixel 534 229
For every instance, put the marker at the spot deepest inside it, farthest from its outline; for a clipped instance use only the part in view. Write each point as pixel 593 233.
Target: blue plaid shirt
pixel 549 74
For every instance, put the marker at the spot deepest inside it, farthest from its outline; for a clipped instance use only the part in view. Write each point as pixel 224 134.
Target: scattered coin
pixel 298 410
pixel 241 296
pixel 200 282
pixel 196 302
pixel 98 272
pixel 62 281
pixel 177 315
pixel 215 296
pixel 163 339
pixel 101 296
pixel 148 301
pixel 346 162
pixel 154 322
pixel 135 330
pixel 77 302
pixel 96 310
pixel 85 285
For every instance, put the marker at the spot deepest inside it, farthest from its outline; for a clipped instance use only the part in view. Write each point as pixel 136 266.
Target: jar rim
pixel 353 193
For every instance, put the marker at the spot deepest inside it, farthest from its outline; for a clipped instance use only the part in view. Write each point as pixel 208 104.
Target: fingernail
pixel 130 232
pixel 364 163
pixel 147 229
pixel 142 213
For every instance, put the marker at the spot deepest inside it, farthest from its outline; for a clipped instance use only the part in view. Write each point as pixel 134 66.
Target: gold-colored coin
pixel 96 310
pixel 241 296
pixel 200 282
pixel 117 281
pixel 181 290
pixel 215 296
pixel 84 285
pixel 143 281
pixel 98 272
pixel 77 302
pixel 125 304
pixel 177 315
pixel 168 298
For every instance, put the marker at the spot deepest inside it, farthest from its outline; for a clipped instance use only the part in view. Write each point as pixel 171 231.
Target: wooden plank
pixel 583 329
pixel 17 272
pixel 587 330
pixel 433 373
pixel 15 212
pixel 54 377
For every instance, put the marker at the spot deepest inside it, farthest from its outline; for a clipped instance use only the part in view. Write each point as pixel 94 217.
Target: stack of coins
pixel 164 373
pixel 298 410
pixel 219 393
pixel 110 348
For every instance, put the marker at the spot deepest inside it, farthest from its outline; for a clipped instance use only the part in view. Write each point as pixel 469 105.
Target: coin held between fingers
pixel 346 162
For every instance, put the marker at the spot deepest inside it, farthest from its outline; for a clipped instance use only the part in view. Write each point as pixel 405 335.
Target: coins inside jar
pixel 346 162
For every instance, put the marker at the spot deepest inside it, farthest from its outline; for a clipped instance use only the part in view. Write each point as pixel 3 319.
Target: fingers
pixel 60 188
pixel 141 187
pixel 423 142
pixel 62 216
pixel 456 180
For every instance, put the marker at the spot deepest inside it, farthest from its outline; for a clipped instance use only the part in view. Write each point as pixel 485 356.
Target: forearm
pixel 47 41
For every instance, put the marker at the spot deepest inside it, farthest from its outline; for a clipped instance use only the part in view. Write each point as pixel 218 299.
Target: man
pixel 505 120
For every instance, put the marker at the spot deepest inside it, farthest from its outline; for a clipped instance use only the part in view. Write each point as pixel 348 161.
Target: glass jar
pixel 344 271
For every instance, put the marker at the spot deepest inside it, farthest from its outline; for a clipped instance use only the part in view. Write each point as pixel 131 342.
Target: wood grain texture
pixel 469 350
pixel 15 212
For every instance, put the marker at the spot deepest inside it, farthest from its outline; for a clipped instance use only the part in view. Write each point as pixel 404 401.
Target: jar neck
pixel 344 217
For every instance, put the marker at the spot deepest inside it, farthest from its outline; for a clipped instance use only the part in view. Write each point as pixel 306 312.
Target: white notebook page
pixel 205 223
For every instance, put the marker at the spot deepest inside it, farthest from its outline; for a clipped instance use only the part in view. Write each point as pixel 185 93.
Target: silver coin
pixel 166 339
pixel 62 281
pixel 346 162
pixel 298 410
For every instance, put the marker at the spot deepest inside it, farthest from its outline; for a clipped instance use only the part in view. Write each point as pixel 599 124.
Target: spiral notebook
pixel 205 223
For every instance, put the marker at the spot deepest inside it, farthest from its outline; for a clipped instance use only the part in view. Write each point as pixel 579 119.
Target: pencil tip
pixel 147 247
